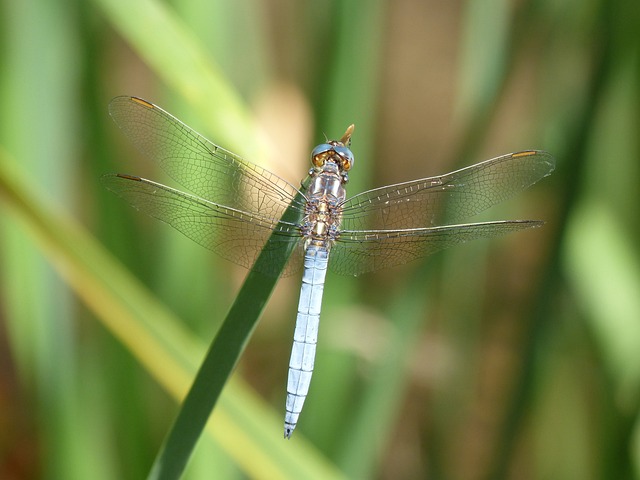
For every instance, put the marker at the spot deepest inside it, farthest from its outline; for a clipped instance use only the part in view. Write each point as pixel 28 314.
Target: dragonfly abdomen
pixel 305 337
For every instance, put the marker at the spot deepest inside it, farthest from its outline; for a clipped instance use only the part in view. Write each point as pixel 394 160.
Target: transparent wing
pixel 202 167
pixel 363 251
pixel 429 202
pixel 233 234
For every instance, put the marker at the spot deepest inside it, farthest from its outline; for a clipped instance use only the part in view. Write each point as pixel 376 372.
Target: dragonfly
pixel 234 206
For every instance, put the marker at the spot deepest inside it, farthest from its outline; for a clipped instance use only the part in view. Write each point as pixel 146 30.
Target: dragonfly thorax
pixel 323 211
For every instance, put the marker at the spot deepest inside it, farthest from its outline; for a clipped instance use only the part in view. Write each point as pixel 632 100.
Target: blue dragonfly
pixel 235 206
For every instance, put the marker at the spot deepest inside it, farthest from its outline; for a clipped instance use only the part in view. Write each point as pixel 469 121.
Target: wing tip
pixel 542 154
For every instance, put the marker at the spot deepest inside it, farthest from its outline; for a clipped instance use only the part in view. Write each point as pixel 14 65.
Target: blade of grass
pixel 153 335
pixel 611 298
pixel 173 52
pixel 375 419
pixel 221 358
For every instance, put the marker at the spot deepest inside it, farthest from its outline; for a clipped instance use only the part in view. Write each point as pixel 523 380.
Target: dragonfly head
pixel 336 152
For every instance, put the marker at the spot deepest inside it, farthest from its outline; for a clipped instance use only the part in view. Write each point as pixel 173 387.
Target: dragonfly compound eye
pixel 346 157
pixel 320 154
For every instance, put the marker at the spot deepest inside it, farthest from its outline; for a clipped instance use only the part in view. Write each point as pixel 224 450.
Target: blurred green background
pixel 515 358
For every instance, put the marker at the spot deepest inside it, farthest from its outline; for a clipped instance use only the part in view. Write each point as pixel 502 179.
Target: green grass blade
pixel 221 358
pixel 604 269
pixel 173 52
pixel 375 419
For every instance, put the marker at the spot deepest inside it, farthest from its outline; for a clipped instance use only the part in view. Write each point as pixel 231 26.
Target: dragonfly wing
pixel 363 251
pixel 233 234
pixel 429 202
pixel 204 168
